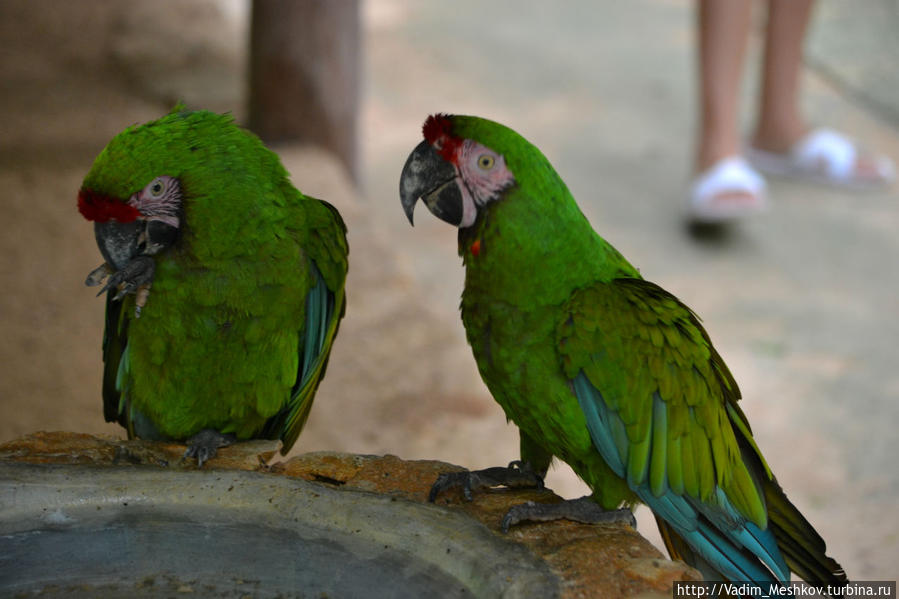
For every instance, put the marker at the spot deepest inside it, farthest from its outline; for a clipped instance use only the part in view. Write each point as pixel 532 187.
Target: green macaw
pixel 247 280
pixel 599 367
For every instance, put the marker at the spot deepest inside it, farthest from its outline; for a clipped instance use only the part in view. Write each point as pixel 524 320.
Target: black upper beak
pixel 119 242
pixel 428 176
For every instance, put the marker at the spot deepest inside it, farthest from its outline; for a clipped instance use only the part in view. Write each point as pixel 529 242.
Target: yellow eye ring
pixel 157 187
pixel 486 162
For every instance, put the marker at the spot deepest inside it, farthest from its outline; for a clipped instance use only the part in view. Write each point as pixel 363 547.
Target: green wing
pixel 657 371
pixel 115 341
pixel 661 407
pixel 659 403
pixel 325 307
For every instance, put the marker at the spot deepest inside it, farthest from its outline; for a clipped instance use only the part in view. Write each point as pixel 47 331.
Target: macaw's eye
pixel 156 188
pixel 485 162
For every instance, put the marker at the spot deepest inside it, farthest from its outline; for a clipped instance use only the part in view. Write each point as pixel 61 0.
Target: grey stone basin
pixel 84 531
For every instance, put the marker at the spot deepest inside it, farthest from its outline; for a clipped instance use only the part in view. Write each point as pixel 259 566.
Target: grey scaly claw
pixel 204 445
pixel 98 275
pixel 516 475
pixel 583 510
pixel 136 277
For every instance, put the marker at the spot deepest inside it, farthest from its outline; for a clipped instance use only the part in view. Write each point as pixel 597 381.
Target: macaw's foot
pixel 515 475
pixel 204 445
pixel 580 510
pixel 136 277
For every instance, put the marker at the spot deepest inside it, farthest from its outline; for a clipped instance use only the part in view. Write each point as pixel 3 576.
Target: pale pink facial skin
pixel 159 200
pixel 482 175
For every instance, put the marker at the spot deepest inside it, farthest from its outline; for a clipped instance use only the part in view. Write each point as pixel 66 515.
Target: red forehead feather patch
pixel 101 208
pixel 438 131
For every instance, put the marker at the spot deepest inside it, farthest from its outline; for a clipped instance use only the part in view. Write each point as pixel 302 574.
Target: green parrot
pixel 599 367
pixel 247 278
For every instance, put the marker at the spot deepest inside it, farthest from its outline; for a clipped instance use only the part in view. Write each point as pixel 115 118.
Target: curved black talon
pixel 583 510
pixel 516 475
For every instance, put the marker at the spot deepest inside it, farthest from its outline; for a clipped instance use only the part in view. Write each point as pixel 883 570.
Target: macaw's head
pixel 134 191
pixel 463 164
pixel 147 222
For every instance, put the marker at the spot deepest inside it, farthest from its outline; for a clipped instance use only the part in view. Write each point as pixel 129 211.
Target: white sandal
pixel 827 157
pixel 728 190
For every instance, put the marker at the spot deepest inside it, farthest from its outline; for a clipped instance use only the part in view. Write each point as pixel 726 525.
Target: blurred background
pixel 803 303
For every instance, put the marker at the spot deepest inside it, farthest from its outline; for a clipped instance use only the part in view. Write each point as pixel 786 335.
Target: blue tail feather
pixel 735 547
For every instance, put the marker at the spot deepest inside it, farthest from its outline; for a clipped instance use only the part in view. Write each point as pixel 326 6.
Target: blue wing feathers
pixel 597 417
pixel 316 325
pixel 733 546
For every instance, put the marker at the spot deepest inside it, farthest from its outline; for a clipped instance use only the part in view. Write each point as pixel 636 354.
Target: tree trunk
pixel 304 74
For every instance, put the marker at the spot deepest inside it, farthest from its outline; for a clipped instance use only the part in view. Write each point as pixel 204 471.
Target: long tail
pixel 800 543
pixel 802 547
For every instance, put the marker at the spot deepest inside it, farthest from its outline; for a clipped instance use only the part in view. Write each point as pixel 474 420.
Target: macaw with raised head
pixel 600 367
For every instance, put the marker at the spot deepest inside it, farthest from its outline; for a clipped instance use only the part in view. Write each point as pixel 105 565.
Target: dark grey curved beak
pixel 119 242
pixel 428 176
